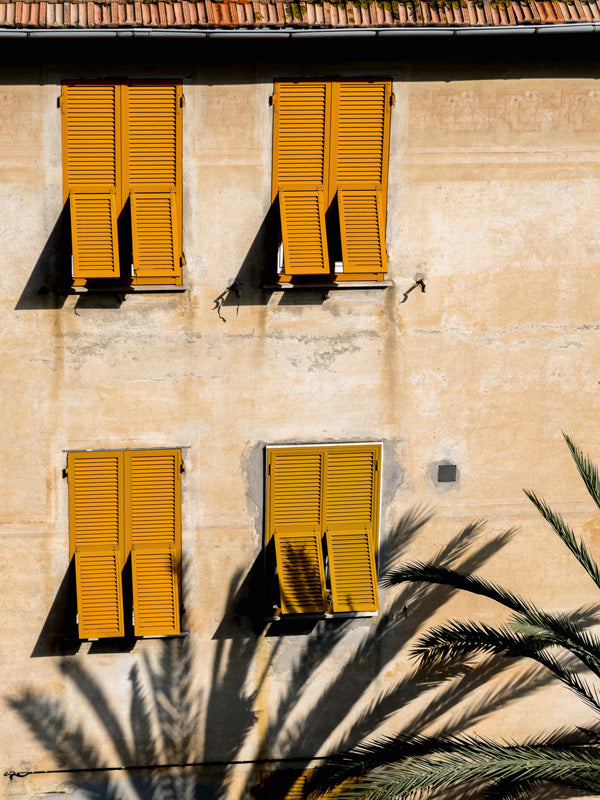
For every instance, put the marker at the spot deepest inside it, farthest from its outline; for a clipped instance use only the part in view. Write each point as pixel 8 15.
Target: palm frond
pixel 428 572
pixel 586 468
pixel 458 641
pixel 401 767
pixel 564 532
pixel 559 630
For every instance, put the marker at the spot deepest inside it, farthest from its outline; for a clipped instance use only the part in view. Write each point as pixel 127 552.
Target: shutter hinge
pixel 269 468
pixel 376 465
pixel 392 99
pixel 182 261
pixel 59 101
pixel 182 101
pixel 272 100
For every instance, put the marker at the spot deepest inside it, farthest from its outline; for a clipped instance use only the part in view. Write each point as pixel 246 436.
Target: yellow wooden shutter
pixel 300 570
pixel 361 129
pixel 359 170
pixel 352 569
pixel 294 513
pixel 154 526
pixel 295 785
pixel 96 542
pixel 303 232
pixel 294 488
pixel 362 229
pixel 152 175
pixel 94 233
pixel 90 130
pixel 99 593
pixel 91 175
pixel 351 513
pixel 301 124
pixel 155 235
pixel 301 141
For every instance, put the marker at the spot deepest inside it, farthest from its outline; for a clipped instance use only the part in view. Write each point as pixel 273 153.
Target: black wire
pixel 23 773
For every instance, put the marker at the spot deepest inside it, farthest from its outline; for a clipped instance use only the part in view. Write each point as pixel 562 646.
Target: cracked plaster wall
pixel 494 186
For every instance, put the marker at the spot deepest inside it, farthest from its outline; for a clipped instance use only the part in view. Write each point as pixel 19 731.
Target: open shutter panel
pixel 301 571
pixel 96 540
pixel 152 176
pixel 362 229
pixel 352 569
pixel 154 522
pixel 155 591
pixel 99 593
pixel 154 235
pixel 303 232
pixel 351 497
pixel 94 234
pixel 91 168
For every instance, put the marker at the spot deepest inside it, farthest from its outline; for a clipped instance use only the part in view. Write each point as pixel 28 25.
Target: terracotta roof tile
pixel 293 13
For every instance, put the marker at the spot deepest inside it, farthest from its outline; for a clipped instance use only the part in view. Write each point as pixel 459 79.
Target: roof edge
pixel 295 33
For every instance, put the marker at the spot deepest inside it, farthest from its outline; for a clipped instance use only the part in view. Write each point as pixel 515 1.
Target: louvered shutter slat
pixel 303 232
pixel 96 525
pixel 362 229
pixel 154 523
pixel 301 571
pixel 94 234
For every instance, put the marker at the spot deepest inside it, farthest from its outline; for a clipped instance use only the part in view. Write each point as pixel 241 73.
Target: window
pixel 330 163
pixel 125 514
pixel 323 521
pixel 122 179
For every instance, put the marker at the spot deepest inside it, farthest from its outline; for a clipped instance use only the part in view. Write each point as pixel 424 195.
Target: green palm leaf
pixel 457 641
pixel 587 469
pixel 417 571
pixel 392 767
pixel 560 527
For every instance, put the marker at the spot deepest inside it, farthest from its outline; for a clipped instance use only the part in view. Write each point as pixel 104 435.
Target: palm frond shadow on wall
pixel 231 738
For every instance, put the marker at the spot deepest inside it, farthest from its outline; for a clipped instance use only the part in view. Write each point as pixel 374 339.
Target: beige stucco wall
pixel 493 192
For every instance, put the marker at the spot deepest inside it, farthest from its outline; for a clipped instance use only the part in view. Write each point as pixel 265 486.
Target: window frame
pixel 124 185
pixel 270 544
pixel 336 271
pixel 103 516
